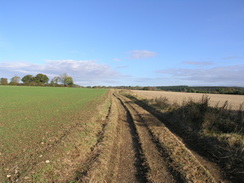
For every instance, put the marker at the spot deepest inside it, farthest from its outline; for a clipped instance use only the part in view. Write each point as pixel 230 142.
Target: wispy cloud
pixel 122 66
pixel 141 54
pixel 197 63
pixel 117 59
pixel 84 72
pixel 232 57
pixel 225 75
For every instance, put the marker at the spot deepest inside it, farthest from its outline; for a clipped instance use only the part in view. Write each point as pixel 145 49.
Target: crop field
pixel 32 118
pixel 96 135
pixel 234 101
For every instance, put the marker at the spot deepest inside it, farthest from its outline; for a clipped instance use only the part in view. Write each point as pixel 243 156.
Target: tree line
pixel 39 80
pixel 190 89
pixel 205 89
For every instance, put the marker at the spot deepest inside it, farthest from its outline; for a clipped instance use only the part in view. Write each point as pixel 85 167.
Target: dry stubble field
pixel 215 99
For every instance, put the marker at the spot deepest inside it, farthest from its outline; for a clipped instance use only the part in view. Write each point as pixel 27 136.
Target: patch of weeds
pixel 72 181
pixel 46 174
pixel 36 177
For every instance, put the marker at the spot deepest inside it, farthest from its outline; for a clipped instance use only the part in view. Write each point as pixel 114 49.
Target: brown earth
pixel 137 147
pixel 215 99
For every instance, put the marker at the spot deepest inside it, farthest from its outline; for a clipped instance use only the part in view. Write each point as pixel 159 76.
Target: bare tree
pixel 55 80
pixel 63 79
pixel 15 80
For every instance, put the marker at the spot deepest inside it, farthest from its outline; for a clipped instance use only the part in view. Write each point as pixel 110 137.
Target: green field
pixel 31 116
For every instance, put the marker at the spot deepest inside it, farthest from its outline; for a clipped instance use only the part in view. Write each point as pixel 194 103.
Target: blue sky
pixel 129 42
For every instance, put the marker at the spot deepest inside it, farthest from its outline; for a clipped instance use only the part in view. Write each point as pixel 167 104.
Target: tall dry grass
pixel 234 101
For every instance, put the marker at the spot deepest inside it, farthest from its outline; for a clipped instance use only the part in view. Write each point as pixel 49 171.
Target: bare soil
pixel 125 156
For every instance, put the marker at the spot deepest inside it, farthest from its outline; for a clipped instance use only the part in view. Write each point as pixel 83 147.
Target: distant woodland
pixel 193 89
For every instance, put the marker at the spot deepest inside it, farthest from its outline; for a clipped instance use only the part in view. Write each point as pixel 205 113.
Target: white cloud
pixel 83 72
pixel 141 54
pixel 225 75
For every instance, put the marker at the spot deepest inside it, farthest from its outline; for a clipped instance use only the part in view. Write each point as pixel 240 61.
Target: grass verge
pixel 100 169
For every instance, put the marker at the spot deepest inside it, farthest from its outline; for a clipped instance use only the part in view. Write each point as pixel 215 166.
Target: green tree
pixel 69 81
pixel 27 79
pixel 4 81
pixel 41 79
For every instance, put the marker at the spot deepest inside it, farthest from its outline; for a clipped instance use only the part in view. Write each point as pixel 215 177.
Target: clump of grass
pixel 162 103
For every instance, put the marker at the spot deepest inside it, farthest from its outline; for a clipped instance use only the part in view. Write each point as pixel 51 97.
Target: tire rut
pixel 137 147
pixel 157 167
pixel 180 160
pixel 133 155
pixel 120 158
pixel 127 163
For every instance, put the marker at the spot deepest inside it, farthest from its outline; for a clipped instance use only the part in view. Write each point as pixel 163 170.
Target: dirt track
pixel 125 157
pixel 137 147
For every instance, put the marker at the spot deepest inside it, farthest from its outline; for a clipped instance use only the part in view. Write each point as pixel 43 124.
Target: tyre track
pixel 131 155
pixel 120 158
pixel 127 162
pixel 157 167
pixel 137 147
pixel 182 163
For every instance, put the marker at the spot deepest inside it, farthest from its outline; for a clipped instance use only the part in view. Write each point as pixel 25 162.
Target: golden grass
pixel 234 101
